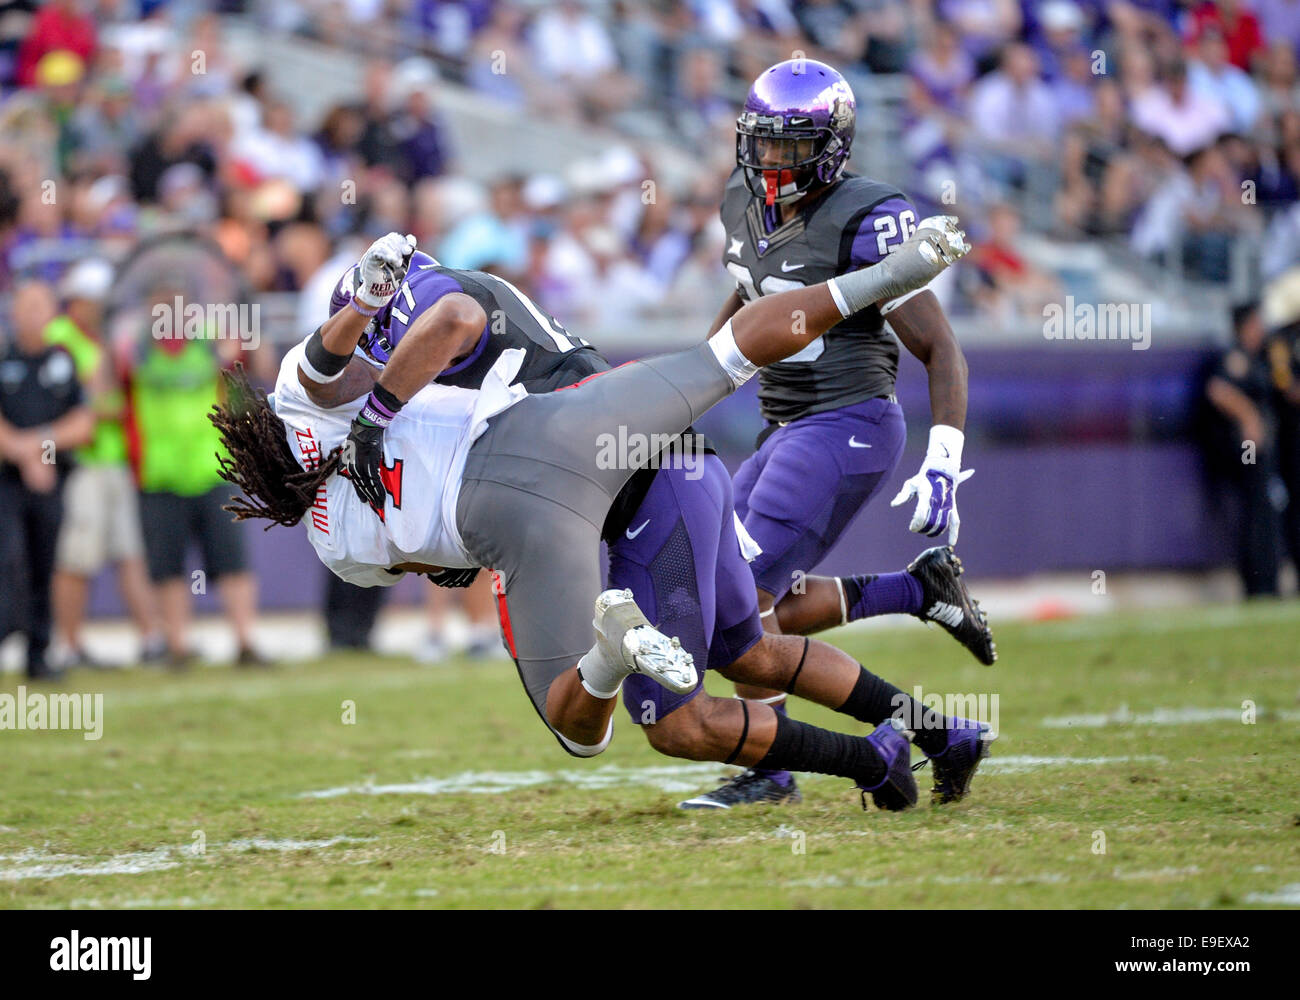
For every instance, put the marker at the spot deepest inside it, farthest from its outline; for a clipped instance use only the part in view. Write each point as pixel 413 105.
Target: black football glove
pixel 363 452
pixel 453 577
pixel 363 459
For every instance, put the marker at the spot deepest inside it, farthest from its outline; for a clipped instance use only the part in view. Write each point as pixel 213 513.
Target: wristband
pixel 369 314
pixel 946 444
pixel 381 407
pixel 320 363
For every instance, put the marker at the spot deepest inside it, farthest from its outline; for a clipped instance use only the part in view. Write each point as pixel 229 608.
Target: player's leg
pixel 848 455
pixel 936 575
pixel 546 557
pixel 667 560
pixel 819 672
pixel 735 731
pixel 586 427
pixel 797 493
pixel 695 726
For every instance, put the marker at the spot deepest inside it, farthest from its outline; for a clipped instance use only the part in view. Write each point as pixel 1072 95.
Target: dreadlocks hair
pixel 260 462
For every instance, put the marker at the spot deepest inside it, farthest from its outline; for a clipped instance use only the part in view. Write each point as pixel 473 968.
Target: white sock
pixel 601 678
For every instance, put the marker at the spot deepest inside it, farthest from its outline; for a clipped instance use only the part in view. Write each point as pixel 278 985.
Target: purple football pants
pixel 681 559
pixel 799 492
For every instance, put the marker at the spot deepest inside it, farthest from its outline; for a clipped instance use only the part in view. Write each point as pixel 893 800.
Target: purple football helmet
pixel 377 341
pixel 796 130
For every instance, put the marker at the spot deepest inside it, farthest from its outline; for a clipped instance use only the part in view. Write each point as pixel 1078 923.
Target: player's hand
pixel 927 253
pixel 453 577
pixel 935 486
pixel 363 460
pixel 383 268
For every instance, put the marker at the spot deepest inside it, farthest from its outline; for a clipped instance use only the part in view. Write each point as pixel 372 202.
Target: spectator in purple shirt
pixel 983 25
pixel 419 136
pixel 943 70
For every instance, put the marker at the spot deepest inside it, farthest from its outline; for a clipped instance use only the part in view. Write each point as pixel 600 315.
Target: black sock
pixel 874 700
pixel 853 586
pixel 798 746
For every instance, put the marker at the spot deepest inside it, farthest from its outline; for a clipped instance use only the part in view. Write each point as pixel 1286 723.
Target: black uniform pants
pixel 29 531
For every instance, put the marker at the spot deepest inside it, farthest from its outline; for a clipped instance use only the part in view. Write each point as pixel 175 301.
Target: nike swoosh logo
pixel 786 267
pixel 854 443
pixel 633 534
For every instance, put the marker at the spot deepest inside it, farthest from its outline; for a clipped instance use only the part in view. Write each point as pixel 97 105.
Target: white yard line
pixel 1288 895
pixel 665 777
pixel 1164 717
pixel 32 863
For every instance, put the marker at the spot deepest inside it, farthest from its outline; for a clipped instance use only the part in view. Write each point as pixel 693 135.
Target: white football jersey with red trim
pixel 424 456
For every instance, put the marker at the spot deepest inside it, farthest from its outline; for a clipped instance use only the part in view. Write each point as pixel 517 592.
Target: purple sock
pixel 887 594
pixel 780 777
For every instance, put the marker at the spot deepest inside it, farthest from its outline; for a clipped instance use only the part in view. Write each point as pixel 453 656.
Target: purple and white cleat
pixel 897 791
pixel 968 744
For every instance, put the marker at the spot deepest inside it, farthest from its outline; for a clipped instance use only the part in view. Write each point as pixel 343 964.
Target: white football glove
pixel 936 244
pixel 935 486
pixel 383 268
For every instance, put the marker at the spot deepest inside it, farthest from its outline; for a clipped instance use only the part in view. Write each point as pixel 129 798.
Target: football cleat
pixel 897 790
pixel 945 600
pixel 746 788
pixel 968 744
pixel 626 635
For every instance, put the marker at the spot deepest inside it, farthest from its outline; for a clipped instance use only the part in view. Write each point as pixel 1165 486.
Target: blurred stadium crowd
pixel 1168 132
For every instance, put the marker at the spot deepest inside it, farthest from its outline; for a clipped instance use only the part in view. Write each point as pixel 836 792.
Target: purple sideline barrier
pixel 1083 455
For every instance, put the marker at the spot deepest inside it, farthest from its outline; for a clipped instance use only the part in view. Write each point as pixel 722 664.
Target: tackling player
pixel 671 518
pixel 515 483
pixel 835 431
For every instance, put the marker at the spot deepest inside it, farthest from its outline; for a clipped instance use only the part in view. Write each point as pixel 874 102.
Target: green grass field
pixel 198 794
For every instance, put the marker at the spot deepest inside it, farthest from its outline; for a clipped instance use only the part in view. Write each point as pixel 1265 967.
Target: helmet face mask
pixel 779 161
pixel 796 130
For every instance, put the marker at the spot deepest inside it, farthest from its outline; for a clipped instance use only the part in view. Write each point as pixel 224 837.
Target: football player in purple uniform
pixel 835 431
pixel 686 571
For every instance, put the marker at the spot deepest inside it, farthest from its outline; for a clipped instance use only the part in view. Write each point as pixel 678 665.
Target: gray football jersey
pixel 852 225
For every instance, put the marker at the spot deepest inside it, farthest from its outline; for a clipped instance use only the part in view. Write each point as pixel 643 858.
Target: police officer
pixel 43 417
pixel 1282 316
pixel 1243 449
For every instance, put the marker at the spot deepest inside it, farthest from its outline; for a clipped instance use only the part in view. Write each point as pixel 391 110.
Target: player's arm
pixel 333 343
pixel 328 371
pixel 447 330
pixel 730 307
pixel 924 330
pixel 443 332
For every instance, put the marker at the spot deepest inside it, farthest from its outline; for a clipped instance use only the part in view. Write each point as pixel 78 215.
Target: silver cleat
pixel 626 635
